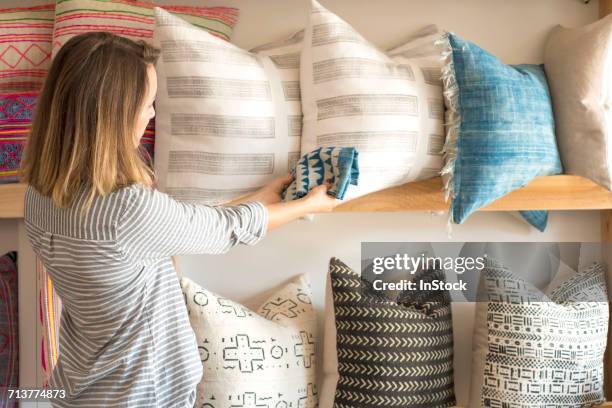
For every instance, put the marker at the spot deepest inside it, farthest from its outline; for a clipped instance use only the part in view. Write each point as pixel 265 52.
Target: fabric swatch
pixel 381 353
pixel 256 358
pixel 25 54
pixel 339 165
pixel 501 132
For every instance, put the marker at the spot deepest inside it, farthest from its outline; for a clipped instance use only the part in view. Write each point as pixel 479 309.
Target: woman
pixel 106 236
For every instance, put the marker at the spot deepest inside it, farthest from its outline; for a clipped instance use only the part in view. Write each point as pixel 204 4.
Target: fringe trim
pixel 452 122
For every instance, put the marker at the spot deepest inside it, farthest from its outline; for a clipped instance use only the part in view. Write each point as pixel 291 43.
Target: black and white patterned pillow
pixel 384 353
pixel 537 351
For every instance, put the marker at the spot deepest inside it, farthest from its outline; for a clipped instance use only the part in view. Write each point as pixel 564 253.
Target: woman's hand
pixel 269 194
pixel 319 201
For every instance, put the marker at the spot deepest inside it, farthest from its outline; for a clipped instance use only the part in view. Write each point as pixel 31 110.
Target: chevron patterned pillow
pixel 265 357
pixel 378 352
pixel 534 350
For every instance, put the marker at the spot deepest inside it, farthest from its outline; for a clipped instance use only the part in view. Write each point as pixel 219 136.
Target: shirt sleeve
pixel 154 225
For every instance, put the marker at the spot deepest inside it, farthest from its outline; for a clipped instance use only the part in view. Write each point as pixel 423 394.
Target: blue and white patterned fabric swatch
pixel 500 130
pixel 337 164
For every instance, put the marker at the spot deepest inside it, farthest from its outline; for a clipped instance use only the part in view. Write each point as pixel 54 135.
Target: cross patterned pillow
pixel 263 358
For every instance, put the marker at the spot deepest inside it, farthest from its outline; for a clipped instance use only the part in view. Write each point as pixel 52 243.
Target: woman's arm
pixel 153 225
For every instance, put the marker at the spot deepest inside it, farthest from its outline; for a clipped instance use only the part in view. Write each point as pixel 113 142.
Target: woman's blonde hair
pixel 84 126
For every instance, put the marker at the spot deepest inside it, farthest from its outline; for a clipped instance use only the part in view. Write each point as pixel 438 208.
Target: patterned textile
pixel 337 164
pixel 25 54
pixel 501 131
pixel 9 327
pixel 228 120
pixel 132 19
pixel 388 105
pixel 147 143
pixel 540 351
pixel 50 308
pixel 265 358
pixel 383 353
pixel 16 110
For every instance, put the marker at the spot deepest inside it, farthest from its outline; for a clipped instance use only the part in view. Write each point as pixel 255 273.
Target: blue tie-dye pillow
pixel 339 165
pixel 501 131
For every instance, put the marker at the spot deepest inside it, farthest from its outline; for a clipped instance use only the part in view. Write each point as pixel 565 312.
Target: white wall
pixel 513 30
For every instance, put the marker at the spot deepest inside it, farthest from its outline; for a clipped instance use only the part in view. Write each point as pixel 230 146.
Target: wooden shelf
pixel 562 192
pixel 544 193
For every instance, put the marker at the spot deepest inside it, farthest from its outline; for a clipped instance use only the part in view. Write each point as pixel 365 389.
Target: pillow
pixel 378 352
pixel 389 106
pixel 16 110
pixel 50 311
pixel 339 165
pixel 25 56
pixel 578 64
pixel 535 350
pixel 228 121
pixel 132 19
pixel 265 358
pixel 9 326
pixel 501 129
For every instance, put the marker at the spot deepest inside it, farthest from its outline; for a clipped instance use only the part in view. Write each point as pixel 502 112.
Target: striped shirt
pixel 125 338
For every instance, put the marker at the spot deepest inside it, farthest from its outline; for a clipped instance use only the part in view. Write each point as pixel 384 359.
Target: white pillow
pixel 252 358
pixel 388 105
pixel 228 121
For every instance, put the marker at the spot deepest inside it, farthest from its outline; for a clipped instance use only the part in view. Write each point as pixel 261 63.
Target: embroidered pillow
pixel 9 326
pixel 535 350
pixel 16 111
pixel 501 132
pixel 25 55
pixel 228 120
pixel 389 106
pixel 132 19
pixel 255 358
pixel 578 64
pixel 380 353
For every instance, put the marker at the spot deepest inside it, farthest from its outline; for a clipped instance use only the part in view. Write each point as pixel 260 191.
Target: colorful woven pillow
pixel 501 133
pixel 337 164
pixel 132 19
pixel 9 327
pixel 25 54
pixel 50 309
pixel 16 110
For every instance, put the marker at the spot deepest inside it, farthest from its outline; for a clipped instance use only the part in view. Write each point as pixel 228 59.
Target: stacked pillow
pixel 255 358
pixel 389 106
pixel 132 19
pixel 16 111
pixel 378 352
pixel 534 349
pixel 25 55
pixel 9 326
pixel 228 120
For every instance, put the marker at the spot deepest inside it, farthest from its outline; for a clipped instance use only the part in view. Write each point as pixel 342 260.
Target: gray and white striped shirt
pixel 125 338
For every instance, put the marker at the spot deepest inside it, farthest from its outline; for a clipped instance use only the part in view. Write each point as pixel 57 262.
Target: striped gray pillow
pixel 228 120
pixel 387 105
